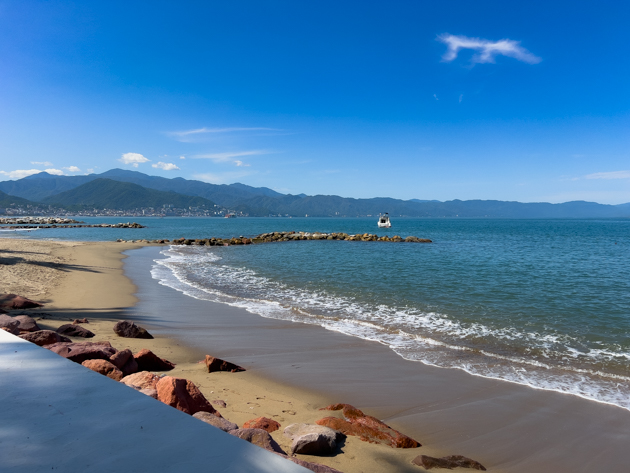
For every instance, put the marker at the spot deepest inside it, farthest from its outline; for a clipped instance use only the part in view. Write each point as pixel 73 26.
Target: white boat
pixel 383 221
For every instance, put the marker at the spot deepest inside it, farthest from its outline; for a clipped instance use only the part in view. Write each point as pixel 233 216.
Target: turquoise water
pixel 539 302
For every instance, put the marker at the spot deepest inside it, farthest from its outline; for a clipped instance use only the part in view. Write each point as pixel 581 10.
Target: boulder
pixel 217 364
pixel 449 462
pixel 219 402
pixel 258 437
pixel 44 337
pixel 74 331
pixel 27 323
pixel 128 329
pixel 149 361
pixel 141 380
pixel 81 351
pixel 219 422
pixel 80 321
pixel 367 428
pixel 264 423
pixel 104 367
pixel 9 324
pixel 124 361
pixel 182 394
pixel 309 439
pixel 150 392
pixel 15 302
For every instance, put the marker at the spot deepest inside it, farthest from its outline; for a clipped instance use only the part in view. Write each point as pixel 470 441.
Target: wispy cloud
pixel 229 156
pixel 42 163
pixel 22 173
pixel 72 169
pixel 133 158
pixel 187 135
pixel 165 166
pixel 609 175
pixel 487 50
pixel 221 178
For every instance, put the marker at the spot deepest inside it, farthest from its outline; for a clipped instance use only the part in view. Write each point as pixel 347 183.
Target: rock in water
pixel 367 428
pixel 217 364
pixel 182 394
pixel 15 302
pixel 258 437
pixel 104 367
pixel 309 439
pixel 75 331
pixel 219 422
pixel 128 329
pixel 449 462
pixel 149 361
pixel 142 380
pixel 264 423
pixel 44 337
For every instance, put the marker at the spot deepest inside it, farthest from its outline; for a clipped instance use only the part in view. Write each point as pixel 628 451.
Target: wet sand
pixel 507 427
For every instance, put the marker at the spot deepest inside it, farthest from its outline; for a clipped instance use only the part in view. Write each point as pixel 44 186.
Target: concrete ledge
pixel 58 415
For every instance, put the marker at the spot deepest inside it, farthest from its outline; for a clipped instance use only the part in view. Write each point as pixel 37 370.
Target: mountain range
pixel 125 190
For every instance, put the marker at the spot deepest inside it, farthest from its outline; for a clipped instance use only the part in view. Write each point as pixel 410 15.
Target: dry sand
pixel 85 279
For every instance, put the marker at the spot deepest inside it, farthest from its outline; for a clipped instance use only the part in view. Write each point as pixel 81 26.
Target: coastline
pixel 506 427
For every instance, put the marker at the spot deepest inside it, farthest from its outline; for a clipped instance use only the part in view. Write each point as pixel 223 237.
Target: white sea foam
pixel 427 337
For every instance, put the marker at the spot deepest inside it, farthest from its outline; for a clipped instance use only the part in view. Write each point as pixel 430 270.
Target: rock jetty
pixel 71 225
pixel 37 221
pixel 283 236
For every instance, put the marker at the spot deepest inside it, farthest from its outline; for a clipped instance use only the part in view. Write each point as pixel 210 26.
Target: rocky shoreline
pixel 273 237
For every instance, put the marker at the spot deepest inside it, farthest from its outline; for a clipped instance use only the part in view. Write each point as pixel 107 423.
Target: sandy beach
pixel 295 369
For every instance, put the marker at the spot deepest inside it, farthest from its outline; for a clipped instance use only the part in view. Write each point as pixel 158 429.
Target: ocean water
pixel 545 303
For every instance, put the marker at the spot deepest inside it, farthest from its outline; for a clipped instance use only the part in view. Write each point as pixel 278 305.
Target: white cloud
pixel 227 157
pixel 435 97
pixel 609 175
pixel 90 171
pixel 133 158
pixel 42 163
pixel 488 50
pixel 22 173
pixel 185 135
pixel 165 166
pixel 223 178
pixel 182 157
pixel 72 169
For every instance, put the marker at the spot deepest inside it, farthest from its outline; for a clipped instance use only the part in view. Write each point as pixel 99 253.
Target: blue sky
pixel 526 101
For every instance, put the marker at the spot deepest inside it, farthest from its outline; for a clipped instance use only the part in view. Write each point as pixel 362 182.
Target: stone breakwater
pixel 283 236
pixel 37 221
pixel 96 225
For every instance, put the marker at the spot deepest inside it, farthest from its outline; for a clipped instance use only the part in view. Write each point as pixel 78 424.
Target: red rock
pixel 9 324
pixel 74 331
pixel 105 368
pixel 124 361
pixel 263 423
pixel 27 323
pixel 149 361
pixel 449 462
pixel 367 428
pixel 258 437
pixel 182 394
pixel 127 329
pixel 142 380
pixel 80 321
pixel 15 302
pixel 217 364
pixel 81 351
pixel 44 337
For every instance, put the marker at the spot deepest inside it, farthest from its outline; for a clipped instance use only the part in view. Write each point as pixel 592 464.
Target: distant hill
pixel 8 200
pixel 110 194
pixel 262 201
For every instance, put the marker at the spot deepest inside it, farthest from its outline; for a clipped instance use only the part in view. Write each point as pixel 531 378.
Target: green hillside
pixel 7 200
pixel 109 194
